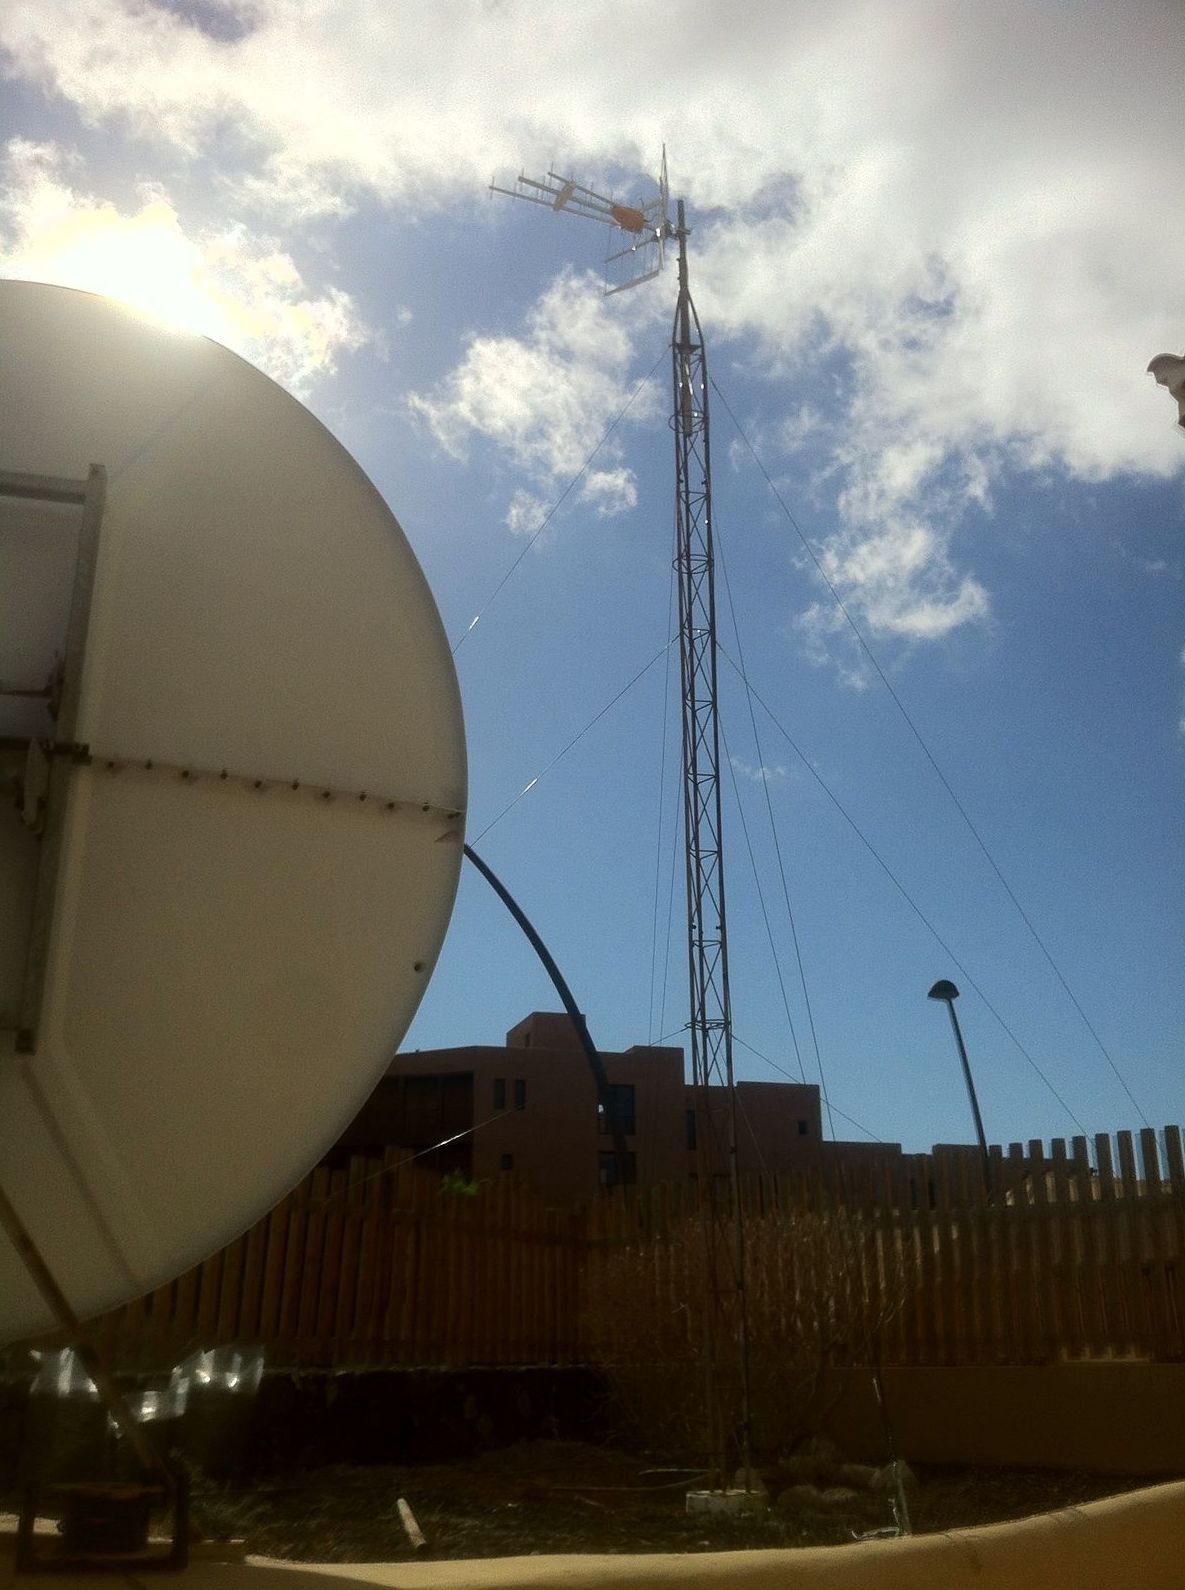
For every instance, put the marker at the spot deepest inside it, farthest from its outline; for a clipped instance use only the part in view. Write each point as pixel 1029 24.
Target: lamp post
pixel 948 993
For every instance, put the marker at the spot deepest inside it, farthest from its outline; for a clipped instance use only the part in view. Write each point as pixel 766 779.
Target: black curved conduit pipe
pixel 596 1064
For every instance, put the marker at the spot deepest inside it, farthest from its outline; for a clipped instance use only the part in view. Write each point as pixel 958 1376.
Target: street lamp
pixel 948 993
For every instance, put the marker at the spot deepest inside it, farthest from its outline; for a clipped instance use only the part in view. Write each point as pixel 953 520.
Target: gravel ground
pixel 552 1496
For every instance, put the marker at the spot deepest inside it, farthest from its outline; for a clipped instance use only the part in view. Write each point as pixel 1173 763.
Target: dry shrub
pixel 819 1285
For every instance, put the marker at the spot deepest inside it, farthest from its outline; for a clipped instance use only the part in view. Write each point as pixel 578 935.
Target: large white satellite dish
pixel 218 912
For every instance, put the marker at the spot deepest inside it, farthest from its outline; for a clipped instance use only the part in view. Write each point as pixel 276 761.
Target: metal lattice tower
pixel 707 921
pixel 710 1024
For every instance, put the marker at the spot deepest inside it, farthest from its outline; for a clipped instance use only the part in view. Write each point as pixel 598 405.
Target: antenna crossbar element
pixel 647 224
pixel 561 193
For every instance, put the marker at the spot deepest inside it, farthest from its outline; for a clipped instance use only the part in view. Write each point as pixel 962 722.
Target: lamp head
pixel 944 990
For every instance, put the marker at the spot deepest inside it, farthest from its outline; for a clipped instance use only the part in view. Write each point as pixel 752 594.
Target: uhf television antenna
pixel 707 934
pixel 647 223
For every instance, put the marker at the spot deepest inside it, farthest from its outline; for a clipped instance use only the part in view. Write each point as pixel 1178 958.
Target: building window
pixel 499 1093
pixel 520 1094
pixel 804 1128
pixel 622 1097
pixel 610 1170
pixel 692 1140
pixel 507 1161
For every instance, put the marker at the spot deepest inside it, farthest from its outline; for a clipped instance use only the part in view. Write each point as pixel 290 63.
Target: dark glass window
pixel 610 1170
pixel 804 1128
pixel 624 1107
pixel 520 1094
pixel 499 1093
pixel 507 1161
pixel 433 1116
pixel 692 1139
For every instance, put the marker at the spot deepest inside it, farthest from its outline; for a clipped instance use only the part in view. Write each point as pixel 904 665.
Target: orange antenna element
pixel 648 224
pixel 629 220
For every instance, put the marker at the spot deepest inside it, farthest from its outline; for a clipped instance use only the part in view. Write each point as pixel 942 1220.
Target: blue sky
pixel 933 253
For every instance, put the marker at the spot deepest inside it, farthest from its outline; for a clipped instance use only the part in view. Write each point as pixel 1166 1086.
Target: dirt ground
pixel 553 1496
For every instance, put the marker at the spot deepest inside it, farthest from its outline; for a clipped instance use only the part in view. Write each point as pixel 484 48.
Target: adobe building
pixel 529 1109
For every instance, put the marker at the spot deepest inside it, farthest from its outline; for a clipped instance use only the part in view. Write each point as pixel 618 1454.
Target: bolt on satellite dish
pixel 233 757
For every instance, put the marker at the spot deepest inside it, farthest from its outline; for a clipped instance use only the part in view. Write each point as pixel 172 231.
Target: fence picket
pixel 945 1237
pixel 1022 1255
pixel 1152 1213
pixel 253 1263
pixel 346 1292
pixel 1066 1244
pixel 1174 1160
pixel 987 1338
pixel 1089 1269
pixel 210 1276
pixel 370 1264
pixel 1045 1288
pixel 334 1214
pixel 1131 1233
pixel 183 1333
pixel 1114 1322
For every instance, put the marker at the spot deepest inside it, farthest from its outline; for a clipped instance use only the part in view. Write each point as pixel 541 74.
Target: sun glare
pixel 145 261
pixel 231 284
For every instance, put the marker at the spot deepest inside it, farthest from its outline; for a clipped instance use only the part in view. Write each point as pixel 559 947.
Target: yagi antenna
pixel 648 225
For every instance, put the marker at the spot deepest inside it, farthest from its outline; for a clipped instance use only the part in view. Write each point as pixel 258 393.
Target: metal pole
pixel 948 993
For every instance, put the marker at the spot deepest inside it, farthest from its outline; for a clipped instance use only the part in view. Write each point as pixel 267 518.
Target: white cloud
pixel 760 774
pixel 526 513
pixel 233 284
pixel 902 578
pixel 547 398
pixel 957 221
pixel 611 490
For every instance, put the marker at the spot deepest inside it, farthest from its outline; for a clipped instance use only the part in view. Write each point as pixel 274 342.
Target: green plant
pixel 455 1184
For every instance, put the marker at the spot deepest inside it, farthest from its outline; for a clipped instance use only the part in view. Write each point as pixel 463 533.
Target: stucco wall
pixel 1111 1418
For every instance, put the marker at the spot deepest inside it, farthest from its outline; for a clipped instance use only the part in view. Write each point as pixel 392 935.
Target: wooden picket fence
pixel 1075 1251
pixel 1063 1255
pixel 375 1265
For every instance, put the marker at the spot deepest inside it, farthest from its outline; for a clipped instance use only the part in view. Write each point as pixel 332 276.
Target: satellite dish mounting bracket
pixel 45 765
